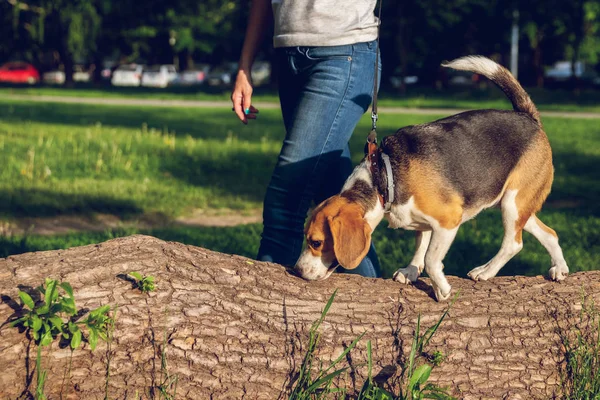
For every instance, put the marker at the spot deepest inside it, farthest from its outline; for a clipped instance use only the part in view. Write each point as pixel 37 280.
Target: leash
pixel 372 138
pixel 371 149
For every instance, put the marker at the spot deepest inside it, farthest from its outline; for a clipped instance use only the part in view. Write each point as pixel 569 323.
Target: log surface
pixel 237 328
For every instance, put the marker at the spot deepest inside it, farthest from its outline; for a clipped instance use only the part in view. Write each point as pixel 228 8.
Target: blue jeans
pixel 323 91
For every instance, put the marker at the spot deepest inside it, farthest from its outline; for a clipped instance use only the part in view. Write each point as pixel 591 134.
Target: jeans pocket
pixel 329 53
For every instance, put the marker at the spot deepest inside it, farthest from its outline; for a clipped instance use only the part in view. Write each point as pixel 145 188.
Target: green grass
pixel 80 159
pixel 580 371
pixel 413 379
pixel 61 159
pixel 106 91
pixel 419 97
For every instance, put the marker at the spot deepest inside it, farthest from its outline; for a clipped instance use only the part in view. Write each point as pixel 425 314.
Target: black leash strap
pixel 371 150
pixel 372 137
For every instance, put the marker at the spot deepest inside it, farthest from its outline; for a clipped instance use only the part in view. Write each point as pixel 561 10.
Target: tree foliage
pixel 416 35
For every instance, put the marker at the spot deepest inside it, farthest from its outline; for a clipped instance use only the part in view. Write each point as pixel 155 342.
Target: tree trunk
pixel 537 60
pixel 237 328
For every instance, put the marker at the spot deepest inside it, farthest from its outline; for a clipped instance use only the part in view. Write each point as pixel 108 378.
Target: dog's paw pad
pixel 399 277
pixel 479 274
pixel 442 295
pixel 558 273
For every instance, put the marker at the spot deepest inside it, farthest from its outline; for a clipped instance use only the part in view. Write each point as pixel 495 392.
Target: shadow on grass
pixel 242 240
pixel 98 89
pixel 45 203
pixel 245 174
pixel 196 122
pixel 576 183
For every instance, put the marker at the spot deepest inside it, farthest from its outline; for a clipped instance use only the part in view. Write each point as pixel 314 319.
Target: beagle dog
pixel 444 172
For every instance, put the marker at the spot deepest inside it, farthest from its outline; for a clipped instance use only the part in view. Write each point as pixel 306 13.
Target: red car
pixel 19 72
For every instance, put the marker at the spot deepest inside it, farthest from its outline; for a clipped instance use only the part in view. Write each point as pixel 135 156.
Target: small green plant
pixel 168 387
pixel 57 316
pixel 40 376
pixel 580 374
pixel 370 391
pixel 417 377
pixel 110 333
pixel 414 379
pixel 311 387
pixel 436 358
pixel 144 283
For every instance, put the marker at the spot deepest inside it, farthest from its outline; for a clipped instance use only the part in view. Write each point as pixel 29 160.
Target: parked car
pixel 108 67
pixel 19 72
pixel 193 76
pixel 81 74
pixel 462 78
pixel 396 79
pixel 562 72
pixel 222 75
pixel 159 75
pixel 55 77
pixel 127 75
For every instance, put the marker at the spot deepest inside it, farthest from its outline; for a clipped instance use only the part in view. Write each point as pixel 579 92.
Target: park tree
pixel 415 35
pixel 175 32
pixel 559 30
pixel 580 27
pixel 65 30
pixel 202 30
pixel 421 34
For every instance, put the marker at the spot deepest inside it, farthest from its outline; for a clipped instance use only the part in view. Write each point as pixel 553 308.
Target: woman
pixel 326 52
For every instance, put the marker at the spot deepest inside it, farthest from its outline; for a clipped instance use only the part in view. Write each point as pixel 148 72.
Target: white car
pixel 223 75
pixel 159 76
pixel 81 74
pixel 54 77
pixel 127 75
pixel 193 76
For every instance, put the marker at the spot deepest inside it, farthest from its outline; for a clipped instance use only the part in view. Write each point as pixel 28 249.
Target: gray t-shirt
pixel 323 22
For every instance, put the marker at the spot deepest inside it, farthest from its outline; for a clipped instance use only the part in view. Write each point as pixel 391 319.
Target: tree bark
pixel 237 328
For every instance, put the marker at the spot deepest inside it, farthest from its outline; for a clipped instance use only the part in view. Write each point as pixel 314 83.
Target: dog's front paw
pixel 480 273
pixel 558 272
pixel 407 275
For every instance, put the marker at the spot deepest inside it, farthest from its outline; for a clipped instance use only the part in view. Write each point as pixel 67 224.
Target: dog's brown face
pixel 337 234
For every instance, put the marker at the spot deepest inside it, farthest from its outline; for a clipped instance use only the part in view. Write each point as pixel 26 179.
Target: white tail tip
pixel 478 64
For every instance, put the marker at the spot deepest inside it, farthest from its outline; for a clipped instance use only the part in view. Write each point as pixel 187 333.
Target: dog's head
pixel 336 234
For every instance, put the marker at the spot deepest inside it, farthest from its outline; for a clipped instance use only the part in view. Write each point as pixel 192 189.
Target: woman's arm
pixel 241 97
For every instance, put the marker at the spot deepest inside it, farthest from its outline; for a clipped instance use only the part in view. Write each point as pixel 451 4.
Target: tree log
pixel 237 328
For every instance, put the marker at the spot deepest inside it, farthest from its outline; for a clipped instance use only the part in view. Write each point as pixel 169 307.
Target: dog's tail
pixel 502 78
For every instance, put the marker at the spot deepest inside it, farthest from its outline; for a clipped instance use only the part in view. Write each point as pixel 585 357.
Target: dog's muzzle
pixel 316 270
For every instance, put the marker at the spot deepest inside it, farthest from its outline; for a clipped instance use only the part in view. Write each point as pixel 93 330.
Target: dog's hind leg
pixel 414 269
pixel 549 239
pixel 441 239
pixel 512 242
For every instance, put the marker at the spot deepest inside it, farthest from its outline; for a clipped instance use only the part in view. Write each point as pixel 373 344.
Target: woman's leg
pixel 324 91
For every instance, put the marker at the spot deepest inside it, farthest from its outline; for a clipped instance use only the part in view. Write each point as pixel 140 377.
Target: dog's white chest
pixel 407 216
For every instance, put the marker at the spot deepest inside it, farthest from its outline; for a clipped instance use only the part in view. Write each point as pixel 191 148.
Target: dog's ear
pixel 351 237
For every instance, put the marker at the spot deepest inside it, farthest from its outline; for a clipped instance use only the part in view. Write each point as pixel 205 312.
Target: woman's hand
pixel 241 97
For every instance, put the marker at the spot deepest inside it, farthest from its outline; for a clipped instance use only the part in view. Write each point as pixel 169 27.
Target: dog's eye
pixel 315 244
